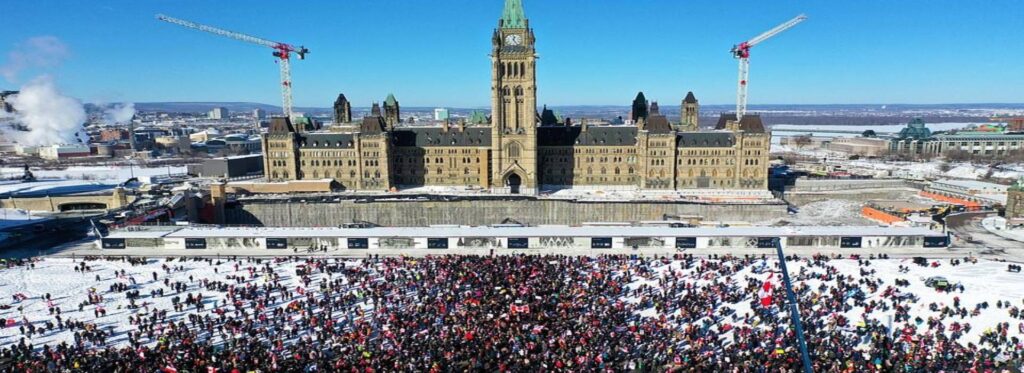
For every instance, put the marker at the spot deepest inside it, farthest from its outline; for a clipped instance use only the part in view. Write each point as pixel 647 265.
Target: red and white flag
pixel 765 294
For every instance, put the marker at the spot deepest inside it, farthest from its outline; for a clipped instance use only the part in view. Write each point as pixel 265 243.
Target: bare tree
pixel 802 141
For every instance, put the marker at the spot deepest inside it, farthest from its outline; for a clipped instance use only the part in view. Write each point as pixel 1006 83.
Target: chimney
pixel 444 125
pixel 462 125
pixel 583 124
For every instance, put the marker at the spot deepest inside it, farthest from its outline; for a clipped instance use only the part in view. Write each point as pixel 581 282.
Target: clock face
pixel 513 39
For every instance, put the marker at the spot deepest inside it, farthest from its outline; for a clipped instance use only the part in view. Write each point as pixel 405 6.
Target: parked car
pixel 937 282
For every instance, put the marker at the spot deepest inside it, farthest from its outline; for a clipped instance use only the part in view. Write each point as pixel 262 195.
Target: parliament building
pixel 518 150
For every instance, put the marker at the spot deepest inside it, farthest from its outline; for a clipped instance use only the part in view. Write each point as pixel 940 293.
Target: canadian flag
pixel 765 294
pixel 514 309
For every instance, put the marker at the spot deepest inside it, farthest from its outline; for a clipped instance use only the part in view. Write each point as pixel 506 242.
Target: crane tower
pixel 741 52
pixel 282 51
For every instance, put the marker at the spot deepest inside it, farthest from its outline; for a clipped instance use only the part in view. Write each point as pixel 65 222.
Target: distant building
pixel 176 144
pixel 440 114
pixel 26 150
pixel 862 146
pixel 218 113
pixel 258 114
pixel 63 151
pixel 113 134
pixel 1015 124
pixel 229 167
pixel 918 139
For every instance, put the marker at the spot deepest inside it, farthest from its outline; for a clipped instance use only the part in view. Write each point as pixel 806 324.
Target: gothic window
pixel 352 174
pixel 465 171
pixel 616 170
pixel 513 150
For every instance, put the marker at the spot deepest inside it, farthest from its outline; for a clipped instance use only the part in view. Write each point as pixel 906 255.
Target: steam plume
pixel 47 116
pixel 119 113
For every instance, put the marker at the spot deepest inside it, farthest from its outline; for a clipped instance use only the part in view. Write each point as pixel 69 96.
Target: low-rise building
pixel 229 167
pixel 862 146
pixel 179 144
pixel 62 151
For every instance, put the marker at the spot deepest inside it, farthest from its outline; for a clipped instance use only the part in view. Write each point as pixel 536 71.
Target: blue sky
pixel 434 53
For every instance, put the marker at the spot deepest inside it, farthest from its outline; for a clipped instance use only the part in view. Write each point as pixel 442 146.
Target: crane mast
pixel 282 51
pixel 741 52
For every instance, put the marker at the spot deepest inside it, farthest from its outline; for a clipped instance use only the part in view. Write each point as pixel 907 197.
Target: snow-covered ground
pixel 985 281
pixel 113 174
pixel 912 170
pixel 884 128
pixel 825 213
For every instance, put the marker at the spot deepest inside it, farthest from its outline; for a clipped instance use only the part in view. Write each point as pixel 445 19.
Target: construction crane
pixel 741 51
pixel 282 51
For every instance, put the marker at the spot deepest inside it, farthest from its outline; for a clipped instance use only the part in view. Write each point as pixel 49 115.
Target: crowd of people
pixel 515 313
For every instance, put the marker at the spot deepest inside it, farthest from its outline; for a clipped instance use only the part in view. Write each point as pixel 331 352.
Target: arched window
pixel 513 150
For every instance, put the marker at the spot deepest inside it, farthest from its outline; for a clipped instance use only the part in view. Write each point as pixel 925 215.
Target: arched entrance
pixel 513 181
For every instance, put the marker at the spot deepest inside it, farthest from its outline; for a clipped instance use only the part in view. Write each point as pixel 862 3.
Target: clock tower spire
pixel 514 102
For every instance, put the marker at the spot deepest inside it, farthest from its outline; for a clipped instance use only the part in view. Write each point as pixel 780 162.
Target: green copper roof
pixel 477 117
pixel 513 16
pixel 390 101
pixel 1018 186
pixel 915 130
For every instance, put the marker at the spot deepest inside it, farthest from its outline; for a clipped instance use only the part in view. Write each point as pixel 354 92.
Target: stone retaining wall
pixel 484 212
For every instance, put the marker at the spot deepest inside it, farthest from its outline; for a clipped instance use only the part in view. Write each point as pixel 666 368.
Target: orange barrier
pixel 879 215
pixel 968 205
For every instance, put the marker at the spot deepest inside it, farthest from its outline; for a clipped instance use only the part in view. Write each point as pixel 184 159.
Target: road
pixel 968 224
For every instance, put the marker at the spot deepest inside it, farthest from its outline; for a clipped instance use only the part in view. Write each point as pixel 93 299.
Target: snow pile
pixel 825 213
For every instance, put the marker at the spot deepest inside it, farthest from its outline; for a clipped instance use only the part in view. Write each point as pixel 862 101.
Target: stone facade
pixel 519 150
pixel 1015 201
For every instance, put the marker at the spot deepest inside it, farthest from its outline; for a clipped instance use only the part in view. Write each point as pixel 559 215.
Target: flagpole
pixel 794 312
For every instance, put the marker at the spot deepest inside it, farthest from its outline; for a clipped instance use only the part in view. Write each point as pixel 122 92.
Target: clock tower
pixel 513 103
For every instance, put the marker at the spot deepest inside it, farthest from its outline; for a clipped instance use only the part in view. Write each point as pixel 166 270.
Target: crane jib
pixel 282 51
